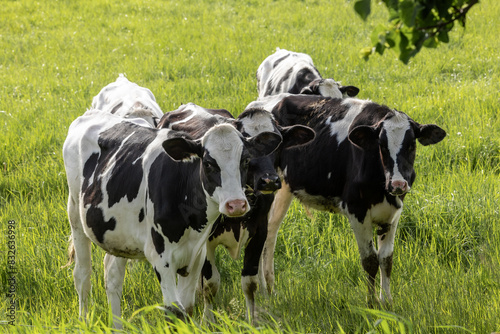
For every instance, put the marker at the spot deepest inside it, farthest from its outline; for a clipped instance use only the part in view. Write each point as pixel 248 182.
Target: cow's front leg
pixel 363 232
pixel 186 283
pixel 114 273
pixel 386 236
pixel 168 284
pixel 210 282
pixel 253 255
pixel 278 211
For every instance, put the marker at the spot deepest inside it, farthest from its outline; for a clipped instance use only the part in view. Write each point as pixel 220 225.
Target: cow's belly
pixel 330 204
pixel 117 230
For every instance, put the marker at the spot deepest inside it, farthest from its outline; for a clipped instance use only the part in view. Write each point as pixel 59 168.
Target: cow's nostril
pixel 236 207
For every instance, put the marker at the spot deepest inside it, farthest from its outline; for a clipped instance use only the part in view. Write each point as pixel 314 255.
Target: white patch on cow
pixel 330 87
pixel 395 129
pixel 340 128
pixel 329 176
pixel 257 124
pixel 224 143
pixel 267 102
pixel 128 100
pixel 383 212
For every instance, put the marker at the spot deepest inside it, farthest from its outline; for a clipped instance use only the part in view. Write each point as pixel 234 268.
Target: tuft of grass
pixel 57 55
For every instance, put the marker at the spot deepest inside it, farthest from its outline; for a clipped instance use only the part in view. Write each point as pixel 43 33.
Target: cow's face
pixel 329 88
pixel 262 175
pixel 225 158
pixel 395 139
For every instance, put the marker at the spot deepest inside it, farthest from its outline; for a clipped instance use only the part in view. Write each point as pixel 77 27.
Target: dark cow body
pixel 360 165
pixel 141 192
pixel 249 231
pixel 292 72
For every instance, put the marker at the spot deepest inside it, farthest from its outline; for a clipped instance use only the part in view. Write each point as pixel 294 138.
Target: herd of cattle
pixel 172 187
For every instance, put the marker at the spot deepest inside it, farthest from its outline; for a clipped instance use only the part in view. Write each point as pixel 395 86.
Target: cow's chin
pixel 398 192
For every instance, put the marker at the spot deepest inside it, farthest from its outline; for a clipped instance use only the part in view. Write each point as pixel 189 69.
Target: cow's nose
pixel 269 183
pixel 236 207
pixel 399 187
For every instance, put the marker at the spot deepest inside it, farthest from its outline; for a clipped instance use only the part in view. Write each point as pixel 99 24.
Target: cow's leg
pixel 278 211
pixel 363 232
pixel 83 257
pixel 386 237
pixel 168 285
pixel 186 285
pixel 253 254
pixel 114 273
pixel 210 282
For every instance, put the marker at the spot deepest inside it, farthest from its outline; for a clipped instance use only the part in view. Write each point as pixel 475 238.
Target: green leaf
pixel 443 36
pixel 431 42
pixel 407 12
pixel 362 7
pixel 365 52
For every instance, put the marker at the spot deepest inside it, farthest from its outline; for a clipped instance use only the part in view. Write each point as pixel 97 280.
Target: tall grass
pixel 56 55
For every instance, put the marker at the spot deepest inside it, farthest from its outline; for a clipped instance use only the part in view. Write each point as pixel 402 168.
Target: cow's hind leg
pixel 83 257
pixel 363 232
pixel 114 273
pixel 278 211
pixel 386 235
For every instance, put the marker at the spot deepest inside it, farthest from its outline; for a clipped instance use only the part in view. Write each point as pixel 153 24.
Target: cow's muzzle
pixel 236 208
pixel 268 184
pixel 399 187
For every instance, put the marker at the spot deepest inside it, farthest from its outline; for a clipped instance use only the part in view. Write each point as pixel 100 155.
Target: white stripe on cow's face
pixel 225 145
pixel 395 129
pixel 330 87
pixel 257 124
pixel 340 128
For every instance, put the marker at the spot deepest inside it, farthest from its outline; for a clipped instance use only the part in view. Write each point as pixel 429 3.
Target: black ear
pixel 180 149
pixel 351 91
pixel 297 135
pixel 365 136
pixel 429 134
pixel 263 144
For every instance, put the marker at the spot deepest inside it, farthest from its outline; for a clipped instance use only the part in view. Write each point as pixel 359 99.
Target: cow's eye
pixel 245 162
pixel 209 165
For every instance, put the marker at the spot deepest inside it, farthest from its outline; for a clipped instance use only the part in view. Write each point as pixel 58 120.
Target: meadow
pixel 56 55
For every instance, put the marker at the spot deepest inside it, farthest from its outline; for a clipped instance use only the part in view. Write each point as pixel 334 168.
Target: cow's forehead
pixel 257 123
pixel 396 126
pixel 224 143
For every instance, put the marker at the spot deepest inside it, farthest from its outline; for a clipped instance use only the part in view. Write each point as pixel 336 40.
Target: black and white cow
pixel 360 165
pixel 292 72
pixel 128 100
pixel 250 231
pixel 141 192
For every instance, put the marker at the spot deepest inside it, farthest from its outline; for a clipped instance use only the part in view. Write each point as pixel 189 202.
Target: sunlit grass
pixel 56 55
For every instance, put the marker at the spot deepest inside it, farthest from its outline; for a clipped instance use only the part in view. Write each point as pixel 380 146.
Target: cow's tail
pixel 71 253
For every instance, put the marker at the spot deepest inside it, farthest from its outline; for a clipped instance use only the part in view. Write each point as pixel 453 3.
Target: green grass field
pixel 56 55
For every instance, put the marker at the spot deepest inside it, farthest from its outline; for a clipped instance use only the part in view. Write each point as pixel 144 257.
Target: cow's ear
pixel 365 136
pixel 428 134
pixel 351 91
pixel 297 135
pixel 263 144
pixel 182 149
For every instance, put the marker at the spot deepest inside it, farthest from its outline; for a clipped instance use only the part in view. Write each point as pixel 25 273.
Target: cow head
pixel 225 157
pixel 329 88
pixel 262 174
pixel 395 139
